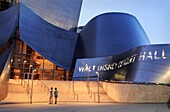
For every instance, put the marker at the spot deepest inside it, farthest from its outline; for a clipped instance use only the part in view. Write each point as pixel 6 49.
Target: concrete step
pixel 69 91
pixel 85 91
pixel 16 93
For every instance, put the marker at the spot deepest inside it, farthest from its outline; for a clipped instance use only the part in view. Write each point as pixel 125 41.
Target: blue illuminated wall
pixel 109 34
pixel 8 23
pixel 61 13
pixel 52 42
pixel 143 64
pixel 104 35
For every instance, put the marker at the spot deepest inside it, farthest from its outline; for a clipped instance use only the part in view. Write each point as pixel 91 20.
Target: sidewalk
pixel 84 107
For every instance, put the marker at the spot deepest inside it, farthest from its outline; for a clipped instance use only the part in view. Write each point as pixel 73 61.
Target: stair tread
pixel 68 91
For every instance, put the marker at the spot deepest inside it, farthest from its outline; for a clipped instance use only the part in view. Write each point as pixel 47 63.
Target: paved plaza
pixel 84 107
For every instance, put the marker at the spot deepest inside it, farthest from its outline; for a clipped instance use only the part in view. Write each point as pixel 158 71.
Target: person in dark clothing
pixel 56 95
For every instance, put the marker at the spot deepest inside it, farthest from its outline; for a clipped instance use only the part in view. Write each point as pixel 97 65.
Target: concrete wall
pixel 137 93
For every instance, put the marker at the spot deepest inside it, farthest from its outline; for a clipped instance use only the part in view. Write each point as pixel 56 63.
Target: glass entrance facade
pixel 26 60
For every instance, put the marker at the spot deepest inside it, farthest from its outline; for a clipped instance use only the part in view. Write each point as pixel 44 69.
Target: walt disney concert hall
pixel 111 47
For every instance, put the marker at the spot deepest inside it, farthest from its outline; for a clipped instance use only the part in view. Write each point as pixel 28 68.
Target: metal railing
pixel 45 87
pixel 75 93
pixel 92 94
pixel 26 85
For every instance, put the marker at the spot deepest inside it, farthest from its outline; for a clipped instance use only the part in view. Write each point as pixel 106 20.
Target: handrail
pixel 27 86
pixel 45 86
pixel 75 94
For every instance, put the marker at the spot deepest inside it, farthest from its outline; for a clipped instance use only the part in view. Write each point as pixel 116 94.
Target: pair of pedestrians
pixel 55 93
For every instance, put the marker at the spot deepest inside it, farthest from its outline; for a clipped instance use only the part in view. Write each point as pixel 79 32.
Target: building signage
pixel 112 67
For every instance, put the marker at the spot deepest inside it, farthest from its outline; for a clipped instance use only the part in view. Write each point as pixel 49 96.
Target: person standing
pixel 51 96
pixel 56 95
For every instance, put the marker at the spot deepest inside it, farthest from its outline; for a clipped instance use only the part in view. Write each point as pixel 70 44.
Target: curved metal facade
pixel 143 64
pixel 106 39
pixel 55 44
pixel 109 34
pixel 5 69
pixel 61 13
pixel 8 22
pixel 104 35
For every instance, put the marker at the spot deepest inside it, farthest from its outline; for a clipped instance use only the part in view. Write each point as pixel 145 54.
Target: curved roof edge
pixel 107 13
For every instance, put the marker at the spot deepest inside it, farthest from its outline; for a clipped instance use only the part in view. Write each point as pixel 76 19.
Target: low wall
pixel 137 93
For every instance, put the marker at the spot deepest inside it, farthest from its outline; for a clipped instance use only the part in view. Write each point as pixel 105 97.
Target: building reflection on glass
pixel 45 69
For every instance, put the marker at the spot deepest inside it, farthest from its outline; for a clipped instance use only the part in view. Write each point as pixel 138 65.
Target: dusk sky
pixel 153 15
